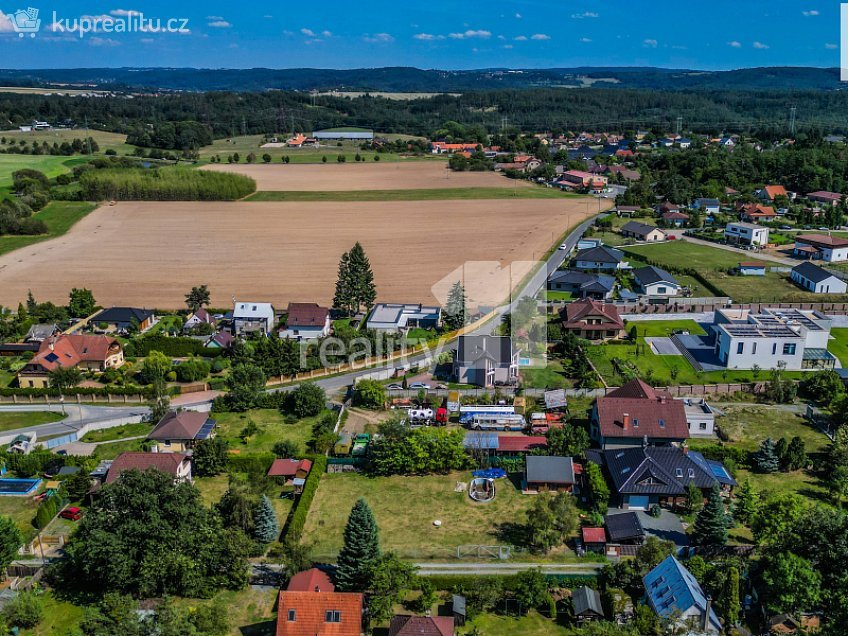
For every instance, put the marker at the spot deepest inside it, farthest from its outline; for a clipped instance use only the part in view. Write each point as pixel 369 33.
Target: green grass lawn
pixel 111 451
pixel 405 508
pixel 662 328
pixel 686 254
pixel 413 195
pixel 213 488
pixel 167 324
pixel 11 421
pixel 558 295
pixel 105 140
pixel 838 345
pixel 551 377
pixel 533 624
pixel 59 217
pixel 60 618
pixel 272 425
pixel 22 511
pixel 251 612
pixel 50 165
pixel 117 432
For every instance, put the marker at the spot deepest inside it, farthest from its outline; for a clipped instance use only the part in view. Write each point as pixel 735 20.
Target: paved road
pixel 749 255
pixel 76 416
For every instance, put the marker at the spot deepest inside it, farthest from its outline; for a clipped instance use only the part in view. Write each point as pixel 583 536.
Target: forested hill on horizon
pixel 408 79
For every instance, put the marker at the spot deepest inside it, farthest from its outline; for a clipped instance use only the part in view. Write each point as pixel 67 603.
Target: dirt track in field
pixel 151 254
pixel 415 175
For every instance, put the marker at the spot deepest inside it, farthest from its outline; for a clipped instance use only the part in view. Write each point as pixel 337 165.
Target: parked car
pixel 395 387
pixel 419 385
pixel 824 229
pixel 563 246
pixel 785 227
pixel 72 513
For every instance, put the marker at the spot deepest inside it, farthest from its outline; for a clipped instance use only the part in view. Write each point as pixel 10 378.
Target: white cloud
pixel 585 40
pixel 327 34
pixel 428 37
pixel 810 13
pixel 760 45
pixel 5 23
pixel 308 32
pixel 123 13
pixel 540 36
pixel 103 42
pixel 517 16
pixel 268 16
pixel 521 38
pixel 220 24
pixel 651 44
pixel 147 40
pixel 585 14
pixel 735 44
pixel 507 46
pixel 378 37
pixel 831 46
pixel 471 33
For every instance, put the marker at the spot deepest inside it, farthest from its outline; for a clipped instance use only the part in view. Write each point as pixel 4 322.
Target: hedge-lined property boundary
pixel 297 517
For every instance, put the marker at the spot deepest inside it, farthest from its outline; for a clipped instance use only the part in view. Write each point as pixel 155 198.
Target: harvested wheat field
pixel 318 177
pixel 150 254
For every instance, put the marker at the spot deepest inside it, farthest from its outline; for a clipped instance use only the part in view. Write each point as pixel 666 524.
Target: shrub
pixel 164 184
pixel 297 517
pixel 25 610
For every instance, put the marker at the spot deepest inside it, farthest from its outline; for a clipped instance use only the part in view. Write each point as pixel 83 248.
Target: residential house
pixel 178 465
pixel 587 604
pixel 675 219
pixel 700 417
pixel 220 340
pixel 544 473
pixel 197 318
pixel 293 472
pixel 643 232
pixel 792 338
pixel 319 613
pixel 684 143
pixel 399 317
pixel 306 321
pixel 124 320
pixel 655 281
pixel 752 268
pixel 626 173
pixel 578 179
pixel 405 625
pixel 22 444
pixel 746 234
pixel 708 206
pixel 754 212
pixel 40 332
pixel 831 249
pixel 311 580
pixel 637 413
pixel 582 284
pixel 825 198
pixel 444 148
pixel 485 361
pixel 673 593
pixel 667 206
pixel 592 320
pixel 181 431
pixel 250 317
pixel 643 476
pixel 625 528
pixel 594 539
pixel 84 352
pixel 627 210
pixel 770 193
pixel 601 258
pixel 781 624
pixel 817 280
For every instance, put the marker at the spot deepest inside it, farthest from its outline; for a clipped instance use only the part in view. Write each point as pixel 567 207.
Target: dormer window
pixel 292 615
pixel 333 616
pixel 662 423
pixel 691 473
pixel 635 423
pixel 679 473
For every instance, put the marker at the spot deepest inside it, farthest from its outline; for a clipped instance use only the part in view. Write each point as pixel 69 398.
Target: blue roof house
pixel 671 591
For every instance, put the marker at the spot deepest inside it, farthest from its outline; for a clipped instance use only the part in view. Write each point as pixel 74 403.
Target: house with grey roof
pixel 587 605
pixel 643 232
pixel 486 361
pixel 673 593
pixel 547 472
pixel 400 317
pixel 124 319
pixel 600 258
pixel 817 280
pixel 655 281
pixel 41 332
pixel 582 284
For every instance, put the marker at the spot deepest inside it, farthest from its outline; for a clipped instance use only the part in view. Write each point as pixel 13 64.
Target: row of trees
pixel 164 184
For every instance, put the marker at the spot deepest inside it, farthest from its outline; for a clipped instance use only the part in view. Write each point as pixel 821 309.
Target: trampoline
pixel 482 489
pixel 18 487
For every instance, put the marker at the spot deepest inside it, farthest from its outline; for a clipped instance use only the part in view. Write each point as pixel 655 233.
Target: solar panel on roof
pixel 51 357
pixel 206 430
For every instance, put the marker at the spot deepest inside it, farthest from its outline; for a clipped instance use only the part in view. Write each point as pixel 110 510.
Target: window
pixel 679 472
pixel 789 349
pixel 754 348
pixel 333 616
pixel 702 426
pixel 691 473
pixel 292 616
pixel 662 290
pixel 774 349
pixel 635 423
pixel 662 423
pixel 740 347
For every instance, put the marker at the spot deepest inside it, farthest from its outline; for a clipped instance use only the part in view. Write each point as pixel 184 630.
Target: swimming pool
pixel 18 487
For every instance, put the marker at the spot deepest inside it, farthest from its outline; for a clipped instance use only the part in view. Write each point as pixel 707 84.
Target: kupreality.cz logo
pixel 28 22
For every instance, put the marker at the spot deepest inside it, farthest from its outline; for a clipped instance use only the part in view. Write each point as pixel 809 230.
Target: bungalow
pixel 197 318
pixel 582 179
pixel 667 206
pixel 293 472
pixel 124 319
pixel 592 320
pixel 675 219
pixel 754 212
pixel 220 340
pixel 582 284
pixel 181 431
pixel 644 476
pixel 769 193
pixel 546 472
pixel 627 210
pixel 654 281
pixel 708 206
pixel 817 280
pixel 587 604
pixel 600 258
pixel 746 234
pixel 250 317
pixel 318 613
pixel 405 625
pixel 306 321
pixel 594 539
pixel 177 465
pixel 88 353
pixel 752 268
pixel 485 361
pixel 642 232
pixel 637 413
pixel 626 173
pixel 675 595
pixel 396 317
pixel 825 198
pixel 832 249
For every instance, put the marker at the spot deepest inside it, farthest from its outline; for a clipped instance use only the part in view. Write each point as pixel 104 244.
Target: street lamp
pixel 62 402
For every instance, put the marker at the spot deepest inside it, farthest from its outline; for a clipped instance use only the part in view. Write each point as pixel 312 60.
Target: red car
pixel 73 513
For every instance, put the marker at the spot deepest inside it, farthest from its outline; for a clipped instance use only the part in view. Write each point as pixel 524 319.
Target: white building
pixel 831 249
pixel 654 281
pixel 791 338
pixel 402 316
pixel 746 233
pixel 700 417
pixel 817 280
pixel 600 258
pixel 306 321
pixel 253 317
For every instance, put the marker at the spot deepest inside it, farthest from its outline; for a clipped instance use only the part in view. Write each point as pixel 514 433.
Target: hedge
pixel 145 391
pixel 297 516
pixel 178 347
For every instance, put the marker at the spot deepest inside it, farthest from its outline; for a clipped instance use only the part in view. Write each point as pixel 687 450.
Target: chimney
pixel 705 623
pixel 625 421
pixel 685 448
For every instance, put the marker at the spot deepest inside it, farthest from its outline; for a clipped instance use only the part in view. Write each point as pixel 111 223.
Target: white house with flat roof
pixel 403 316
pixel 250 317
pixel 790 338
pixel 746 233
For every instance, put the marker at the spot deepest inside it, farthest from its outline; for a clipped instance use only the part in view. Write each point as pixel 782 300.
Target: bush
pixel 25 610
pixel 164 184
pixel 307 399
pixel 297 517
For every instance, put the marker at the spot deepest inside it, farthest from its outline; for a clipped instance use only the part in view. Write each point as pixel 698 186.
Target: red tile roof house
pixel 753 212
pixel 675 219
pixel 175 464
pixel 582 179
pixel 404 625
pixel 311 580
pixel 319 613
pixel 770 192
pixel 87 353
pixel 636 412
pixel 828 198
pixel 292 471
pixel 306 321
pixel 180 431
pixel 592 320
pixel 200 317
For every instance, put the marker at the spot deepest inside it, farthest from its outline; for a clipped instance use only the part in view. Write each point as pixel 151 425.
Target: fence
pixel 135 398
pixel 678 307
pixel 78 434
pixel 686 390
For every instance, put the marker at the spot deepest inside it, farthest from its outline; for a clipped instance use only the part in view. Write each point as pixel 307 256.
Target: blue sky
pixel 449 34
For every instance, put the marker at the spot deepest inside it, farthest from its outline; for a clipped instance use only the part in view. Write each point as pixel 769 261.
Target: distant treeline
pixel 163 184
pixel 224 114
pixel 180 135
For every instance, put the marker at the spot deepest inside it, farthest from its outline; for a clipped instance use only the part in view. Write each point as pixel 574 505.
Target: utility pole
pixel 793 111
pixel 87 139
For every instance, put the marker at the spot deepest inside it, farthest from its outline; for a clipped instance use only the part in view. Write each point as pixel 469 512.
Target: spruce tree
pixel 361 550
pixel 711 523
pixel 266 527
pixel 747 502
pixel 455 308
pixel 766 459
pixel 342 299
pixel 363 290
